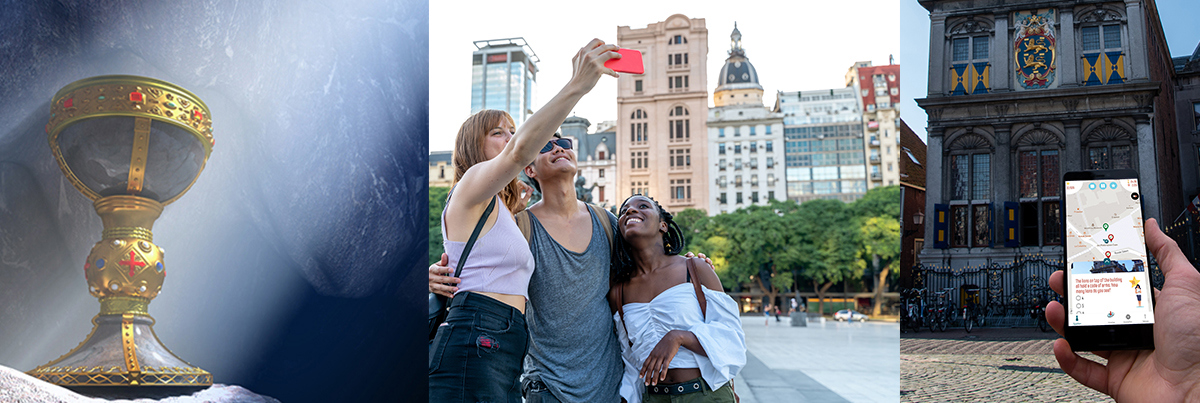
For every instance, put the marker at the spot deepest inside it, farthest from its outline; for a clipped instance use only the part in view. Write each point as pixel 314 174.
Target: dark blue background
pixel 297 261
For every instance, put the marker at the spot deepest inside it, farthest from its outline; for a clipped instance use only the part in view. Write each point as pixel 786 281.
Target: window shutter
pixel 941 233
pixel 1011 209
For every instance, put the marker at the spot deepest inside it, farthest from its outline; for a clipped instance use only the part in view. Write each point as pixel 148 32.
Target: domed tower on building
pixel 738 82
pixel 745 139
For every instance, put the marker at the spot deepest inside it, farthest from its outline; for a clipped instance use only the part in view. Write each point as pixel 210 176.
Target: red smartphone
pixel 630 62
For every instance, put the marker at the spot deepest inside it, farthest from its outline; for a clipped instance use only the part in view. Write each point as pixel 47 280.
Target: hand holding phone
pixel 1166 373
pixel 630 62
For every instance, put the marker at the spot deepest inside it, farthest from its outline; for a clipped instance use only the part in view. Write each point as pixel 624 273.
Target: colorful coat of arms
pixel 1034 48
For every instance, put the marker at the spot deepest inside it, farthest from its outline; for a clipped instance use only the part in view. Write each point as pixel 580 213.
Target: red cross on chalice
pixel 131 263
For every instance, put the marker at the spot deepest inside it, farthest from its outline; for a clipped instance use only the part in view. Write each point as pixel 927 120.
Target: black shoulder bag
pixel 438 305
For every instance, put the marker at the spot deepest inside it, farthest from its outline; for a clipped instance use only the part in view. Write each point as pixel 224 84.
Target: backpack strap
pixel 691 268
pixel 523 224
pixel 604 221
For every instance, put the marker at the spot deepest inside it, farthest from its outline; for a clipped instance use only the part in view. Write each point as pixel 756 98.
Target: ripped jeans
pixel 477 355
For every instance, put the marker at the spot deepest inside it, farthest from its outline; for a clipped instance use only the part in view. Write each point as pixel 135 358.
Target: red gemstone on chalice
pixel 70 102
pixel 137 97
pixel 197 115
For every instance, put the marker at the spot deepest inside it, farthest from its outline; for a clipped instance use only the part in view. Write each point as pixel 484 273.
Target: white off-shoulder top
pixel 677 308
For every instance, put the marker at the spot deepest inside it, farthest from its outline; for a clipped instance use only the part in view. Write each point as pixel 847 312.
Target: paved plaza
pixel 990 364
pixel 829 362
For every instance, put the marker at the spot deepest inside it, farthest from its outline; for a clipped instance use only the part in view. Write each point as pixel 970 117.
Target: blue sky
pixel 1178 19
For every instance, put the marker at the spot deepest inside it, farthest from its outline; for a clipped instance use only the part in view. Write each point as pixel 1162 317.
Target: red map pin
pixel 1107 254
pixel 1110 237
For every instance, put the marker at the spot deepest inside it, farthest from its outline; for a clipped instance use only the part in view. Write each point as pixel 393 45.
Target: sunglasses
pixel 564 143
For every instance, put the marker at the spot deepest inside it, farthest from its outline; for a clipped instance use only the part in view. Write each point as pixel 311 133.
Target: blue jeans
pixel 477 355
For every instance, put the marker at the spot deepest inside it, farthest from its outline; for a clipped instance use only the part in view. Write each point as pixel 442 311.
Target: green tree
pixel 692 222
pixel 880 201
pixel 881 244
pixel 758 244
pixel 826 239
pixel 879 237
pixel 437 202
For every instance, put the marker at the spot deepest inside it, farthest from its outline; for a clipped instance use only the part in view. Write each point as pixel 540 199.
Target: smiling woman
pixel 675 339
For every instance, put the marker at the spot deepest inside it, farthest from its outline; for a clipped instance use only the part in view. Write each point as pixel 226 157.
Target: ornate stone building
pixel 657 113
pixel 1019 94
pixel 745 139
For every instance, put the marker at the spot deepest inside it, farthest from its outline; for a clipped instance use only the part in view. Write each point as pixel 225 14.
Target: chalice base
pixel 123 358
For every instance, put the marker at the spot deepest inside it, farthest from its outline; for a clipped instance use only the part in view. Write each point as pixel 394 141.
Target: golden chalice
pixel 132 145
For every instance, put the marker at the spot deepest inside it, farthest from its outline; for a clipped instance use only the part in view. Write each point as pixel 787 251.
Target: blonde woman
pixel 477 353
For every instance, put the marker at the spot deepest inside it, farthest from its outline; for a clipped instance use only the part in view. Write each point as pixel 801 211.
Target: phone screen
pixel 1107 282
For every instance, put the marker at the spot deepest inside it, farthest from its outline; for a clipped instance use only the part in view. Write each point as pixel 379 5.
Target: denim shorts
pixel 477 355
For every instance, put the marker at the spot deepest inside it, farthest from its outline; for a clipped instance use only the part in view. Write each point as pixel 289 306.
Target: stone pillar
pixel 1135 50
pixel 1002 173
pixel 1067 60
pixel 1073 151
pixel 1147 168
pixel 1002 178
pixel 1002 67
pixel 937 55
pixel 934 177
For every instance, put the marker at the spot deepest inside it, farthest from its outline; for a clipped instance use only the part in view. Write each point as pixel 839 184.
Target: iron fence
pixel 1007 291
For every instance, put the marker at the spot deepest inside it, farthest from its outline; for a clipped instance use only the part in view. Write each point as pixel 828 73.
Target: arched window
pixel 1101 46
pixel 639 128
pixel 1109 147
pixel 680 126
pixel 970 191
pixel 1038 173
pixel 969 50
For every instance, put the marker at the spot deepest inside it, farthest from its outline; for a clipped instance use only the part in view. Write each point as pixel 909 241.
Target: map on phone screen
pixel 1106 254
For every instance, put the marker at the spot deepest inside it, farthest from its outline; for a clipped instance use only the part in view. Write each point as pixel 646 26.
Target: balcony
pixel 876 176
pixel 874 159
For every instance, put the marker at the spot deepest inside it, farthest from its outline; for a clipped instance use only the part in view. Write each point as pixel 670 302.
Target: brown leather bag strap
pixel 602 215
pixel 691 267
pixel 523 224
pixel 621 311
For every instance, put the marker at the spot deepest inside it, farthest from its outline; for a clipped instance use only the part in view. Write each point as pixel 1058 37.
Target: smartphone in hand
pixel 1108 298
pixel 630 62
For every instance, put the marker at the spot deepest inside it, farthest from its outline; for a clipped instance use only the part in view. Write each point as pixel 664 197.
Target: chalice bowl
pixel 132 145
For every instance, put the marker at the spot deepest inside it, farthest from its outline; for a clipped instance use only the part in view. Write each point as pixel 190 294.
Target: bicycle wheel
pixel 942 324
pixel 1043 325
pixel 969 324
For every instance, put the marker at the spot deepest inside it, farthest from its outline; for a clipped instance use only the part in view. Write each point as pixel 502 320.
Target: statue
pixel 582 193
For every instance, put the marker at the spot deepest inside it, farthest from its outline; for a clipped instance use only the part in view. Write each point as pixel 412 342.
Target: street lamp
pixel 132 145
pixel 918 219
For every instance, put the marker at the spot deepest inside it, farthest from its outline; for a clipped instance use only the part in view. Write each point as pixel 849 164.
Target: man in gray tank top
pixel 574 355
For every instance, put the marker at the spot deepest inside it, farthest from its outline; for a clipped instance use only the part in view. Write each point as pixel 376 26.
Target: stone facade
pixel 745 139
pixel 1019 95
pixel 661 114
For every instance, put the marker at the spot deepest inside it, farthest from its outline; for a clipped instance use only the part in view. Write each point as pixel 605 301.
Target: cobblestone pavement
pixel 988 365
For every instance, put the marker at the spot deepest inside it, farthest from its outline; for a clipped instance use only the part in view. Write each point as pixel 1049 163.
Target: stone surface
pixel 992 365
pixel 824 362
pixel 15 386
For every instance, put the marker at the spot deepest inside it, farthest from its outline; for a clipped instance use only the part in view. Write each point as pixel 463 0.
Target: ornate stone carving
pixel 1108 132
pixel 1038 137
pixel 969 26
pixel 1099 14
